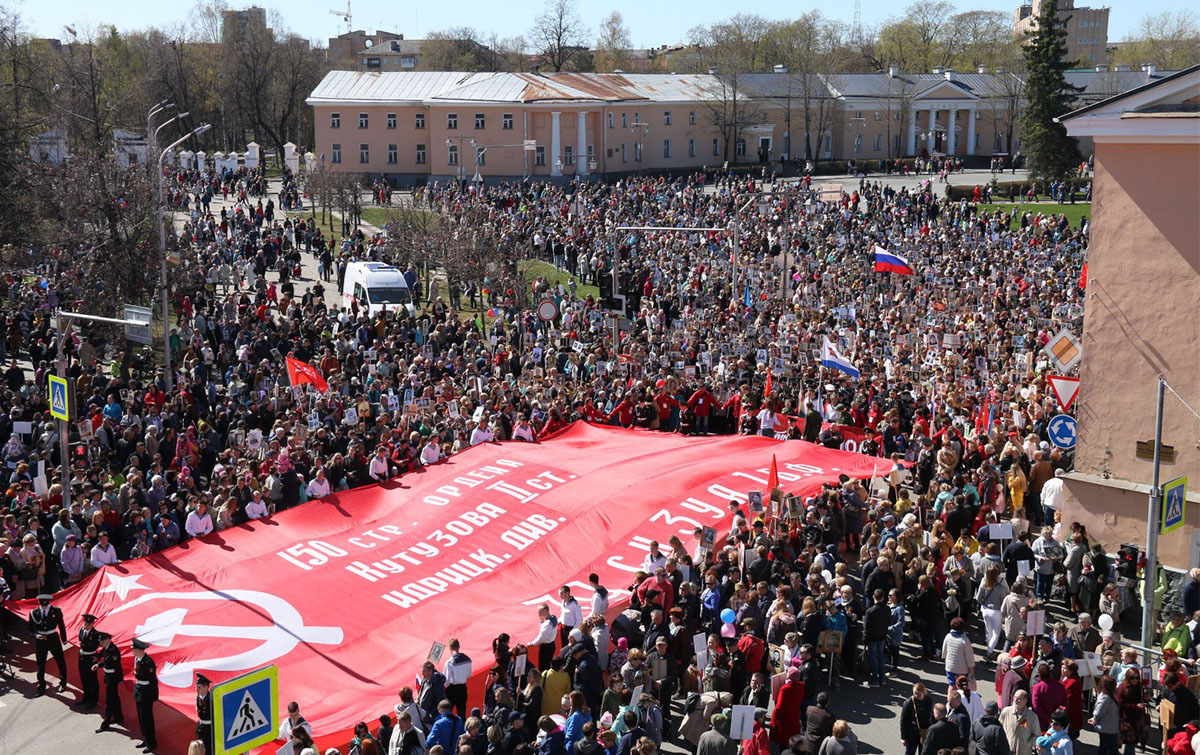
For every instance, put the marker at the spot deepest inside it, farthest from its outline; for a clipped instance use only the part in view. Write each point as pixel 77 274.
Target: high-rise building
pixel 1087 30
pixel 240 23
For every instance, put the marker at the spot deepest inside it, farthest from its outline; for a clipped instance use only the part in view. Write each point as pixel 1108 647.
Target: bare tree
pixel 1169 40
pixel 559 36
pixel 612 47
pixel 728 51
pixel 457 49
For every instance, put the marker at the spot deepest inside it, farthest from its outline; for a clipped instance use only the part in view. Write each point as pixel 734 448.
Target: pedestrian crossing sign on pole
pixel 1174 504
pixel 60 398
pixel 246 711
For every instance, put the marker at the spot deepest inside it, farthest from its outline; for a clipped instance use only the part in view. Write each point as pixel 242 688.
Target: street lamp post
pixel 162 252
pixel 638 146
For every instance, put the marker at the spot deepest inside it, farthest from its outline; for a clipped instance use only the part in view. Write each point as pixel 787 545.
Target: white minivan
pixel 377 287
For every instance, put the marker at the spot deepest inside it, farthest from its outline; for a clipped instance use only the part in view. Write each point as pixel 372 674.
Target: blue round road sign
pixel 1062 431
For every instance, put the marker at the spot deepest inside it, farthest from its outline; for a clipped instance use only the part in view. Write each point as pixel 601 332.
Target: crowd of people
pixel 718 340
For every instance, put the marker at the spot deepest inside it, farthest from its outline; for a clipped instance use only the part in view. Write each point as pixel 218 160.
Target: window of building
pixel 624 154
pixel 895 142
pixel 506 121
pixel 373 62
pixel 691 147
pixel 452 154
pixel 878 142
pixel 336 151
pixel 480 120
pixel 364 153
pixel 391 120
pixel 335 120
pixel 362 120
pixel 610 119
pixel 739 148
pixel 637 151
pixel 667 118
pixel 878 116
pixel 408 61
pixel 691 117
pixel 636 118
pixel 716 147
pixel 539 156
pixel 568 155
pixel 452 121
pixel 624 120
pixel 976 141
pixel 420 121
pixel 591 155
pixel 479 155
pixel 420 154
pixel 391 154
pixel 666 147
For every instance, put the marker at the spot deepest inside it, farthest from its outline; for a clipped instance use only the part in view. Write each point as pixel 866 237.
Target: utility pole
pixel 64 427
pixel 1153 519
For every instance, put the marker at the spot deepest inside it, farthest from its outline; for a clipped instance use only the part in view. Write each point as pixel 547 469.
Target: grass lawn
pixel 537 268
pixel 378 216
pixel 1074 212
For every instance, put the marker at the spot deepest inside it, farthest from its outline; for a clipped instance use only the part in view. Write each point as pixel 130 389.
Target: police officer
pixel 89 648
pixel 145 693
pixel 49 634
pixel 204 725
pixel 109 660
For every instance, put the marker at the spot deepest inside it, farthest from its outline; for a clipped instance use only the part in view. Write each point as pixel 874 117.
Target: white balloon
pixel 1105 621
pixel 1196 742
pixel 827 576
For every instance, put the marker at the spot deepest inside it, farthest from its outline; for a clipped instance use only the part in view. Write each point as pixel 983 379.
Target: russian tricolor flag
pixel 887 262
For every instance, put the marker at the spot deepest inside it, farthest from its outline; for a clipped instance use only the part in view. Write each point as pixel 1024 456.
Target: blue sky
pixel 650 23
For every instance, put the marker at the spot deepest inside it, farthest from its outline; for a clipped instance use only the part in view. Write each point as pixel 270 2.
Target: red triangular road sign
pixel 1065 389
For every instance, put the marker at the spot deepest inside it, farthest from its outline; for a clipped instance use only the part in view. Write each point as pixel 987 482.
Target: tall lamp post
pixel 638 146
pixel 162 252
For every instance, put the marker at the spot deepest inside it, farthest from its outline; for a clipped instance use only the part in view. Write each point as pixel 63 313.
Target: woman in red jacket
pixel 759 742
pixel 785 721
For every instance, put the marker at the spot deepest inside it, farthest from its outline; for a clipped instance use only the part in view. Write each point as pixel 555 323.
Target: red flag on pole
pixel 303 372
pixel 1083 276
pixel 767 390
pixel 773 478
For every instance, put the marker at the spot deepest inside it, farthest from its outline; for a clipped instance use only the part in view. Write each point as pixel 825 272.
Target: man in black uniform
pixel 49 634
pixel 204 714
pixel 145 693
pixel 110 661
pixel 89 647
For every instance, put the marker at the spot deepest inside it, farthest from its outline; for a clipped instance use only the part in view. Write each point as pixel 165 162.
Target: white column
pixel 555 143
pixel 912 133
pixel 932 133
pixel 971 131
pixel 581 166
pixel 950 123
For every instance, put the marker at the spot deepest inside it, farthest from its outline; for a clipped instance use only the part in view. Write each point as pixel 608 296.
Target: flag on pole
pixel 300 373
pixel 889 262
pixel 773 478
pixel 767 390
pixel 834 359
pixel 746 299
pixel 1083 276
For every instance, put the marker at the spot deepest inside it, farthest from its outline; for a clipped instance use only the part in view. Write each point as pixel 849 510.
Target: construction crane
pixel 345 14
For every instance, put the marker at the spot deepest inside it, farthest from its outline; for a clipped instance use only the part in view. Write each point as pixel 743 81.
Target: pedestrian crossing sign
pixel 60 398
pixel 1174 504
pixel 246 711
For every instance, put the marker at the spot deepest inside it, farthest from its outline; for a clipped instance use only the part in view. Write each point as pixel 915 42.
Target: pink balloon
pixel 728 630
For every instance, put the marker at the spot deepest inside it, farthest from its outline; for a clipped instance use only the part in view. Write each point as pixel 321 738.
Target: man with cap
pixel 987 733
pixel 204 714
pixel 49 634
pixel 109 660
pixel 145 693
pixel 1057 739
pixel 514 736
pixel 89 648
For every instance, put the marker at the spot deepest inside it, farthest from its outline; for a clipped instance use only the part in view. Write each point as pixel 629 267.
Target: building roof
pixel 1120 94
pixel 373 87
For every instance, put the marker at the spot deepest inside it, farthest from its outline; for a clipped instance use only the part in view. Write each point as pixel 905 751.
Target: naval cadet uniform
pixel 89 649
pixel 145 693
pixel 114 674
pixel 204 714
pixel 49 634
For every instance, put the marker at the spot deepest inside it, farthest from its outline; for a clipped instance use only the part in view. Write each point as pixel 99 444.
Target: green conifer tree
pixel 1050 152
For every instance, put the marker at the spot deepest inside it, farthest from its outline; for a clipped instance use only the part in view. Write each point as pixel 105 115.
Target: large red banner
pixel 347 594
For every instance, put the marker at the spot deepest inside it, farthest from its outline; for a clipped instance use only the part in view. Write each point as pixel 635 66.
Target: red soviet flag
pixel 303 372
pixel 773 478
pixel 1083 276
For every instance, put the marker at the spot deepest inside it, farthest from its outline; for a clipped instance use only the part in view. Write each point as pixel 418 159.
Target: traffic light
pixel 1129 557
